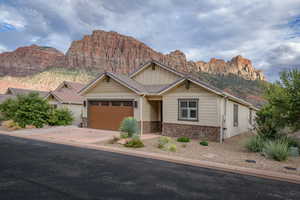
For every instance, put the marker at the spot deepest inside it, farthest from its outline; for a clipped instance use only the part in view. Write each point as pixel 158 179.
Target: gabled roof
pixel 147 64
pixel 67 96
pixel 72 85
pixel 20 91
pixel 161 89
pixel 122 79
pixel 67 92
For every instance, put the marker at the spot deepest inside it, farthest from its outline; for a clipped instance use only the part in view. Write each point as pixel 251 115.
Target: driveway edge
pixel 192 162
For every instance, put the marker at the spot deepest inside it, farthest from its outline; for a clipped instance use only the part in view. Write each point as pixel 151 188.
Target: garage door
pixel 108 115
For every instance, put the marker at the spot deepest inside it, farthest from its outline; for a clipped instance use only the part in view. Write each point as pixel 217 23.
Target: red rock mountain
pixel 114 52
pixel 28 60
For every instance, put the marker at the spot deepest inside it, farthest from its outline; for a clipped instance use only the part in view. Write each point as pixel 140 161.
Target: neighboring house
pixel 20 91
pixel 66 96
pixel 4 97
pixel 166 101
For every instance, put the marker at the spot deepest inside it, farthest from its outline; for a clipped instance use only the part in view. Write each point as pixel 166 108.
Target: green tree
pixel 284 97
pixel 283 107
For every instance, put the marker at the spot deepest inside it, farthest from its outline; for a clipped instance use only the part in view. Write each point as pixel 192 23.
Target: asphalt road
pixel 32 170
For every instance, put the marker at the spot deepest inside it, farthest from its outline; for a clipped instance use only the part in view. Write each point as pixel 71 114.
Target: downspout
pixel 223 118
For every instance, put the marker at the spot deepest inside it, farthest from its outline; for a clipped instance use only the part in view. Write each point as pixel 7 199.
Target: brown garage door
pixel 108 115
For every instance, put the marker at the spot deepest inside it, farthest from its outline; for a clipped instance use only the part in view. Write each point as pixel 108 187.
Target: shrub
pixel 60 117
pixel 11 125
pixel 277 150
pixel 134 143
pixel 255 143
pixel 124 135
pixel 129 125
pixel 162 141
pixel 204 143
pixel 183 139
pixel 171 147
pixel 26 110
pixel 292 142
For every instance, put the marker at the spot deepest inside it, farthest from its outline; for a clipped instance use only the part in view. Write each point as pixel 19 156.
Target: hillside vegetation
pixel 47 80
pixel 250 90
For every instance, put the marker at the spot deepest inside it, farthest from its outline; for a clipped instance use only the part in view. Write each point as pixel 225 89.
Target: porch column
pixel 141 114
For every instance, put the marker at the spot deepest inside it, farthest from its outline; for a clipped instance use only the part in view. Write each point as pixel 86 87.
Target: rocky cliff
pixel 28 60
pixel 117 53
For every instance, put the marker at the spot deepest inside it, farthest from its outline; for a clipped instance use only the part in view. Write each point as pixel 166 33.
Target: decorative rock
pixel 291 168
pixel 250 161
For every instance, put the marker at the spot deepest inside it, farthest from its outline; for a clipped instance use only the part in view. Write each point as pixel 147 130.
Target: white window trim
pixel 180 118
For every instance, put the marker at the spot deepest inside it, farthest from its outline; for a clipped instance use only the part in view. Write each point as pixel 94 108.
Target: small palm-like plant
pixel 277 150
pixel 130 126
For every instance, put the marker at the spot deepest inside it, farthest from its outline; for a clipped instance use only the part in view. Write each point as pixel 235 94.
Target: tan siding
pixel 150 110
pixel 155 77
pixel 108 87
pixel 243 120
pixel 208 108
pixel 76 111
pixel 111 90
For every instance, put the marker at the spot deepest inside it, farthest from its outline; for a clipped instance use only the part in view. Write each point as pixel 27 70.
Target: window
pixel 94 103
pixel 104 103
pixel 54 106
pixel 127 103
pixel 188 109
pixel 235 115
pixel 116 103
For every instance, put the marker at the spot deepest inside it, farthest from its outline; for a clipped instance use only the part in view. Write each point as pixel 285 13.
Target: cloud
pixel 267 32
pixel 2 49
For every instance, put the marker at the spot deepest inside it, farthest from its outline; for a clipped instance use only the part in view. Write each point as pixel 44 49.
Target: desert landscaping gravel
pixel 231 152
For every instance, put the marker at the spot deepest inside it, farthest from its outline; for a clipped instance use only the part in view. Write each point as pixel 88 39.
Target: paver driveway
pixel 68 133
pixel 34 170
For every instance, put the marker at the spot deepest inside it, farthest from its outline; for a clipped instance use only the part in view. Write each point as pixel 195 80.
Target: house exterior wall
pixel 208 105
pixel 155 77
pixel 243 119
pixel 76 110
pixel 208 124
pixel 111 90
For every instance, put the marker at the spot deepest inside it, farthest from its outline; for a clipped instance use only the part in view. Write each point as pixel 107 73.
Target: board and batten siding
pixel 208 105
pixel 158 76
pixel 243 119
pixel 111 90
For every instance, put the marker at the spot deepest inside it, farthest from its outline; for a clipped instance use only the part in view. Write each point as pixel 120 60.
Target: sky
pixel 264 31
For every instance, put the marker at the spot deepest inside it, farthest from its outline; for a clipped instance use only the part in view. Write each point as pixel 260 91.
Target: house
pixel 66 96
pixel 20 91
pixel 166 101
pixel 4 97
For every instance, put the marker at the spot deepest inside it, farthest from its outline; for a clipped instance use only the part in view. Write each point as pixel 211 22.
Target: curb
pixel 192 162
